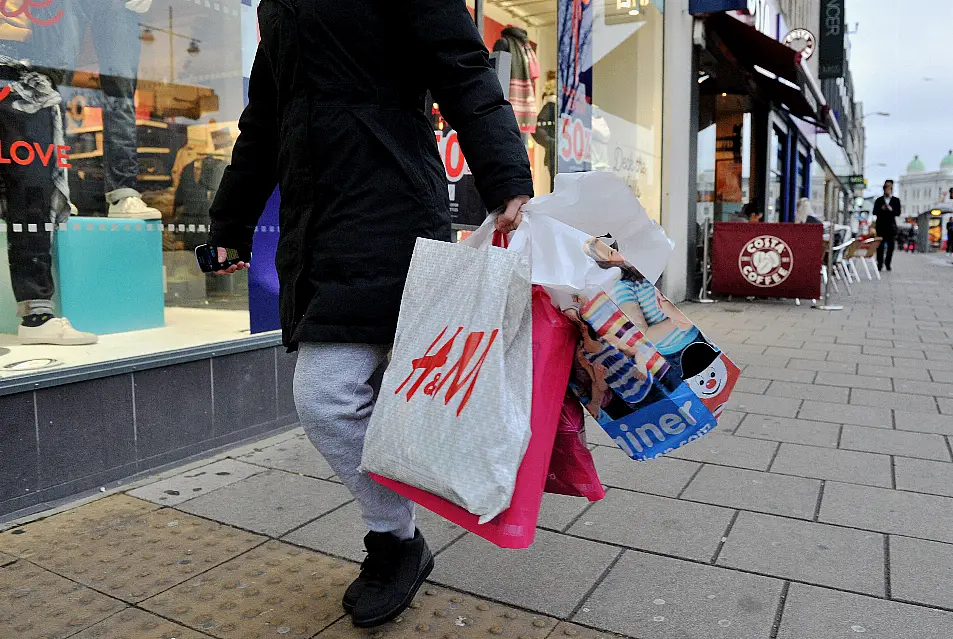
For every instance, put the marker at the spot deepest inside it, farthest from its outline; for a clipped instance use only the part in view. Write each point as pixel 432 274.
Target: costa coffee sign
pixel 767 260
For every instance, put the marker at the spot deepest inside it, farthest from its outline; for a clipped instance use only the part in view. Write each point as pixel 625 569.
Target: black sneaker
pixel 353 592
pixel 392 574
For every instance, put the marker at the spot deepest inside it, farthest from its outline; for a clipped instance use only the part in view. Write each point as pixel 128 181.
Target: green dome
pixel 916 166
pixel 947 162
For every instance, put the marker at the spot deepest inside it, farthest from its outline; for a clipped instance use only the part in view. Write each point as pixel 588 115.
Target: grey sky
pixel 902 61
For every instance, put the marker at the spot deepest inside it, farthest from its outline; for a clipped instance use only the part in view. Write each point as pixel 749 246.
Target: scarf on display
pixel 35 92
pixel 524 70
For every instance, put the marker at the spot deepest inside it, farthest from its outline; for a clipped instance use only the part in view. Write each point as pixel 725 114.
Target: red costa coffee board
pixel 767 260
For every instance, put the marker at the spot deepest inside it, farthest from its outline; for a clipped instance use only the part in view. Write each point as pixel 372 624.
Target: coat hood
pixel 516 32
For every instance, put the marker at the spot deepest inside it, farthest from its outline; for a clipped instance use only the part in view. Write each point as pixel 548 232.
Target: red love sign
pixel 25 9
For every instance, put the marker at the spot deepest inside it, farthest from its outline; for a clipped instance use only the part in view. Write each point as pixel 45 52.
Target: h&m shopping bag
pixel 453 415
pixel 554 341
pixel 651 379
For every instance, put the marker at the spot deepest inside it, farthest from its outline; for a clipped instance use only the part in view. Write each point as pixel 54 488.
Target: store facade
pixel 764 132
pixel 135 124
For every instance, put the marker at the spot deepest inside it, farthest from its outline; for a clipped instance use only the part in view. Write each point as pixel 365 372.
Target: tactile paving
pixel 136 624
pixel 567 630
pixel 105 513
pixel 438 613
pixel 6 560
pixel 37 604
pixel 137 557
pixel 275 590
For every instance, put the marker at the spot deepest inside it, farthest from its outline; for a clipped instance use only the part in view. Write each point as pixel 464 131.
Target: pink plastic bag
pixel 554 344
pixel 572 470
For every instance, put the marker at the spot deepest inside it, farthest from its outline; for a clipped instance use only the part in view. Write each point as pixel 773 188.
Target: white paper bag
pixel 600 203
pixel 453 415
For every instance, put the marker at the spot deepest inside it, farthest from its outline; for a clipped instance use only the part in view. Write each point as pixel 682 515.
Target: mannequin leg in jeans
pixel 29 190
pixel 335 388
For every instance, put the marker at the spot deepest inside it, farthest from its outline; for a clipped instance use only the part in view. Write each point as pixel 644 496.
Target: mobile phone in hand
pixel 207 257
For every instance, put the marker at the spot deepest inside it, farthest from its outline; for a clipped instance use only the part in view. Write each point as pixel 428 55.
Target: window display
pixel 117 118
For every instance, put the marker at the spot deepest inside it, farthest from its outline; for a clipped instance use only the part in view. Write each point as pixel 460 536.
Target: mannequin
pixel 545 134
pixel 524 71
pixel 36 193
pixel 115 33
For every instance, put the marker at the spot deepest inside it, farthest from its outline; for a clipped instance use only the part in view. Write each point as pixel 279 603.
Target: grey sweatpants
pixel 335 387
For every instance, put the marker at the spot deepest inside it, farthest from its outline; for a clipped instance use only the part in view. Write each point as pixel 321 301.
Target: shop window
pixel 133 121
pixel 777 178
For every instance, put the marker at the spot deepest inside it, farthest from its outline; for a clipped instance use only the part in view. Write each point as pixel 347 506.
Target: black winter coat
pixel 335 118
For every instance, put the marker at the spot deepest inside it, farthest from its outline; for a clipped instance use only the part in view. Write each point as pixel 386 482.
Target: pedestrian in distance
pixel 887 209
pixel 805 213
pixel 949 235
pixel 336 120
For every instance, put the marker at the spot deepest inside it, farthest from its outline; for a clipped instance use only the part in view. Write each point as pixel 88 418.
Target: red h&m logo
pixel 433 363
pixel 25 10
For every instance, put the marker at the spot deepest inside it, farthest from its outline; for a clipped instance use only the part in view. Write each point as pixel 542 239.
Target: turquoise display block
pixel 110 274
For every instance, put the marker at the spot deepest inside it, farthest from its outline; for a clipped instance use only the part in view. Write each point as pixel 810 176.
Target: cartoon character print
pixel 709 374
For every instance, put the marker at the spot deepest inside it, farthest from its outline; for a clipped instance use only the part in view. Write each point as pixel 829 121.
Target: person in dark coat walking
pixel 887 210
pixel 335 119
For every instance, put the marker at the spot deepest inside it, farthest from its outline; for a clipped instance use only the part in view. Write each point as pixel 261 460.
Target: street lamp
pixel 148 37
pixel 883 114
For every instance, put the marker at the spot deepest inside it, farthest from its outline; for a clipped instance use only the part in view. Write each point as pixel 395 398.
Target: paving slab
pixel 820 366
pixel 780 374
pixel 819 613
pixel 854 381
pixel 656 524
pixel 845 414
pixel 764 405
pixel 276 590
pixel 439 612
pixel 341 532
pixel 932 389
pixel 881 399
pixel 895 372
pixel 36 603
pixel 946 405
pixel 729 420
pixel 653 597
pixel 799 353
pixel 102 514
pixel 552 576
pixel 813 392
pixel 895 442
pixel 834 464
pixel 752 385
pixel 6 560
pixel 805 551
pixel 920 571
pixel 559 511
pixel 272 503
pixel 755 491
pixel 661 476
pixel 141 556
pixel 795 431
pixel 726 450
pixel 195 482
pixel 294 455
pixel 889 511
pixel 923 476
pixel 136 624
pixel 923 422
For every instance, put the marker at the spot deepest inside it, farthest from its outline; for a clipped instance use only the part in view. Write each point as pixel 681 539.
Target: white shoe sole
pixel 76 341
pixel 135 216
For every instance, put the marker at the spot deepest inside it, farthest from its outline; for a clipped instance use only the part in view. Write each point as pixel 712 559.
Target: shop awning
pixel 775 68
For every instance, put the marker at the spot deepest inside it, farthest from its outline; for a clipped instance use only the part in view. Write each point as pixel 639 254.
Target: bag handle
pixel 501 240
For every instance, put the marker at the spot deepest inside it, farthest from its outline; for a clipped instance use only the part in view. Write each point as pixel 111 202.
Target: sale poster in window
pixel 574 54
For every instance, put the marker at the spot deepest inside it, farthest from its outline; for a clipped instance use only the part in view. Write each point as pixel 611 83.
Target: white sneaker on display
pixel 55 332
pixel 133 208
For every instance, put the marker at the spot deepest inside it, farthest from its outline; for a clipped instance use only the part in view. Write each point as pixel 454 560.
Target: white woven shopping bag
pixel 453 415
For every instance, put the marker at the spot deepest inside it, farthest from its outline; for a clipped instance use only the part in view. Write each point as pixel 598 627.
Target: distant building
pixel 921 190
